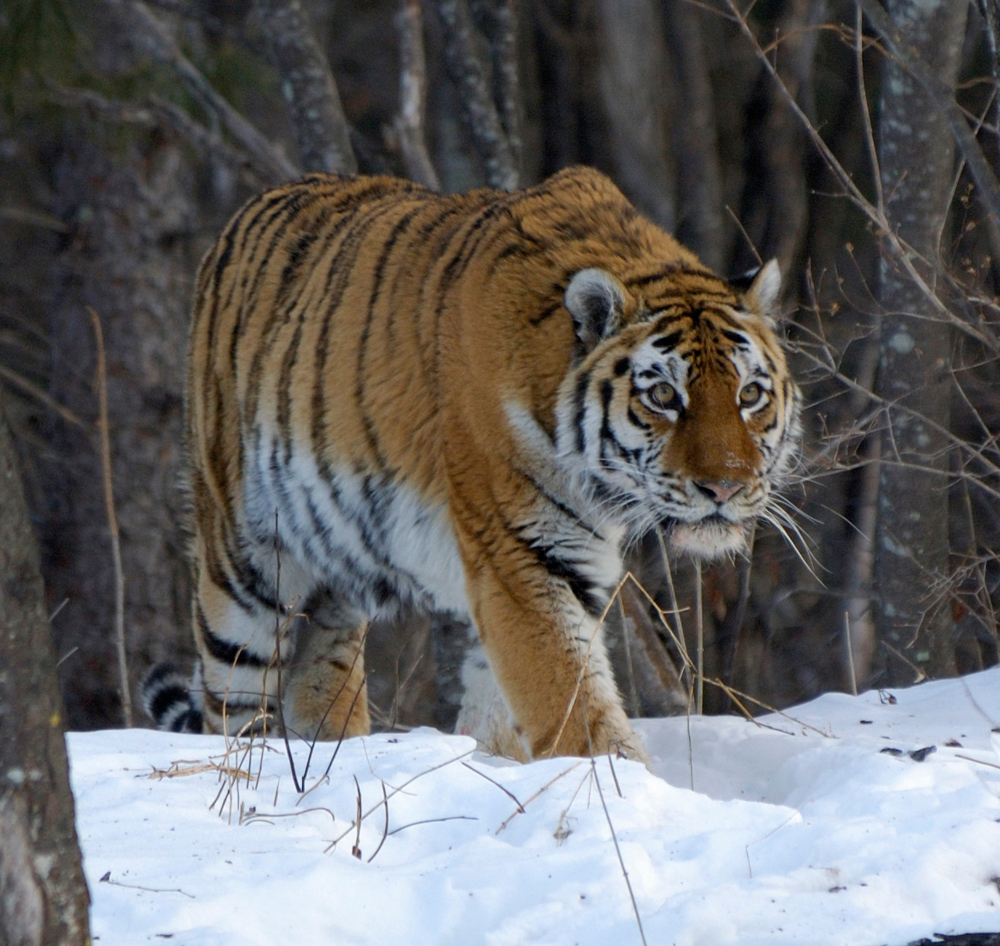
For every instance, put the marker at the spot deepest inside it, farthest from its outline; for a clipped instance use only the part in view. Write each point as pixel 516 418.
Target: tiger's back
pixel 396 396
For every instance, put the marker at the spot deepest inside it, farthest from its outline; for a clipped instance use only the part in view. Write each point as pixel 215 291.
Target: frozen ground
pixel 830 829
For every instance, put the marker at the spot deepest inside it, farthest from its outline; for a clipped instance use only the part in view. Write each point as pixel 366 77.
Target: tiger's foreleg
pixel 550 661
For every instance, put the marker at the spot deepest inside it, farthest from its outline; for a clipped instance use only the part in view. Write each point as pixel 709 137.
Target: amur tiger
pixel 468 402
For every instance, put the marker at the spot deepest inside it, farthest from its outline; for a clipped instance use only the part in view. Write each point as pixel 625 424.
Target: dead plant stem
pixel 101 382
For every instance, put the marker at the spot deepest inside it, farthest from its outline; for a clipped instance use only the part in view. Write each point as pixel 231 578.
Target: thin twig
pixel 865 115
pixel 138 20
pixel 943 98
pixel 699 618
pixel 277 656
pixel 633 693
pixel 544 788
pixel 385 826
pixel 904 255
pixel 397 790
pixel 50 402
pixel 852 678
pixel 356 848
pixel 767 706
pixel 101 382
pixel 618 851
pixel 413 824
pixel 502 788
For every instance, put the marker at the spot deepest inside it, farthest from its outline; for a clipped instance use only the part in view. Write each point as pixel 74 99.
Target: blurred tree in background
pixel 854 141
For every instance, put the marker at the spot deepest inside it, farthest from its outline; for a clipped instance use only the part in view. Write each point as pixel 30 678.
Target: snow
pixel 801 829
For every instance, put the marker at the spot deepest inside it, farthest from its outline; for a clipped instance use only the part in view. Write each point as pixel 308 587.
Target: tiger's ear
pixel 761 289
pixel 596 301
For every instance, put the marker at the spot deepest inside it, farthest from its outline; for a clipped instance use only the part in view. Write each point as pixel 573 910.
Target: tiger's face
pixel 683 416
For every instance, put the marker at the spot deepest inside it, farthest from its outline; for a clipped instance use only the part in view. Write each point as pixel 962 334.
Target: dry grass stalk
pixel 618 851
pixel 101 383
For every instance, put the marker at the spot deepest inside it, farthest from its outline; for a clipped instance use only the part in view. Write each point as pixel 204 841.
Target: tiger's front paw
pixel 620 741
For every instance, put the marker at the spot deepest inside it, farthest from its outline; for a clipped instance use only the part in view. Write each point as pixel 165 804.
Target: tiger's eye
pixel 751 394
pixel 664 397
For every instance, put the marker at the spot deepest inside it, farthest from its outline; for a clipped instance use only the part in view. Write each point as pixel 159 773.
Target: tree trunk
pixel 917 156
pixel 308 86
pixel 130 259
pixel 43 894
pixel 633 89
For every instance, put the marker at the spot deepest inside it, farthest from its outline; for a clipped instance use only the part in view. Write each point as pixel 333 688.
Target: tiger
pixel 466 402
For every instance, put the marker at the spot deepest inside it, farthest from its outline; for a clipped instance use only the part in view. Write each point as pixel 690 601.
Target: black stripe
pixel 276 315
pixel 668 342
pixel 545 314
pixel 336 282
pixel 592 598
pixel 190 721
pixel 285 391
pixel 740 340
pixel 218 576
pixel 567 511
pixel 671 270
pixel 250 579
pixel 579 408
pixel 670 320
pixel 226 652
pixel 224 256
pixel 165 698
pixel 637 421
pixel 371 434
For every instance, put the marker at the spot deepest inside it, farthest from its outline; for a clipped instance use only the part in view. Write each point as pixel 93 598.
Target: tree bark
pixel 309 88
pixel 131 259
pixel 470 71
pixel 146 32
pixel 43 894
pixel 699 182
pixel 413 96
pixel 632 82
pixel 917 157
pixel 776 207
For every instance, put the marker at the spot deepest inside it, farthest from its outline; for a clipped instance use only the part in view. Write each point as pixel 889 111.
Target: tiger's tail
pixel 172 701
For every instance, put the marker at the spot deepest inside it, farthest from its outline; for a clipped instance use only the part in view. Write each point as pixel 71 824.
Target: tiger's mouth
pixel 709 538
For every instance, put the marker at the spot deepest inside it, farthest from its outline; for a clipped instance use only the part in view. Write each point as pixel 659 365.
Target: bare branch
pixel 499 17
pixel 943 97
pixel 903 254
pixel 152 35
pixel 308 85
pixel 409 122
pixel 101 383
pixel 471 75
pixel 154 112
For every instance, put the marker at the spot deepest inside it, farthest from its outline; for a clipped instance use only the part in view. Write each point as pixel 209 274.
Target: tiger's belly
pixel 375 542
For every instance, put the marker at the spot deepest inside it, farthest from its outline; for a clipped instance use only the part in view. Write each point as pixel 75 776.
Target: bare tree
pixel 308 86
pixel 43 894
pixel 917 161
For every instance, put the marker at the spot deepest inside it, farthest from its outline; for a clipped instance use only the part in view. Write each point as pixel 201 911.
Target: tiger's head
pixel 679 409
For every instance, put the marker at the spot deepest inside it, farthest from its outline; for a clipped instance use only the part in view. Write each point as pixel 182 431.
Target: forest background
pixel 855 142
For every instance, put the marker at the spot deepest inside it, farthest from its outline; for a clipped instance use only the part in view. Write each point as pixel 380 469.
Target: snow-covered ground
pixel 838 827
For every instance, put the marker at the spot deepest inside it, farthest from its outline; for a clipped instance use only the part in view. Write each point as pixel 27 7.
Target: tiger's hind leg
pixel 324 692
pixel 307 652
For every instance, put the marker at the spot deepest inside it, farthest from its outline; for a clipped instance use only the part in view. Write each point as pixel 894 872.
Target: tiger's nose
pixel 720 491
